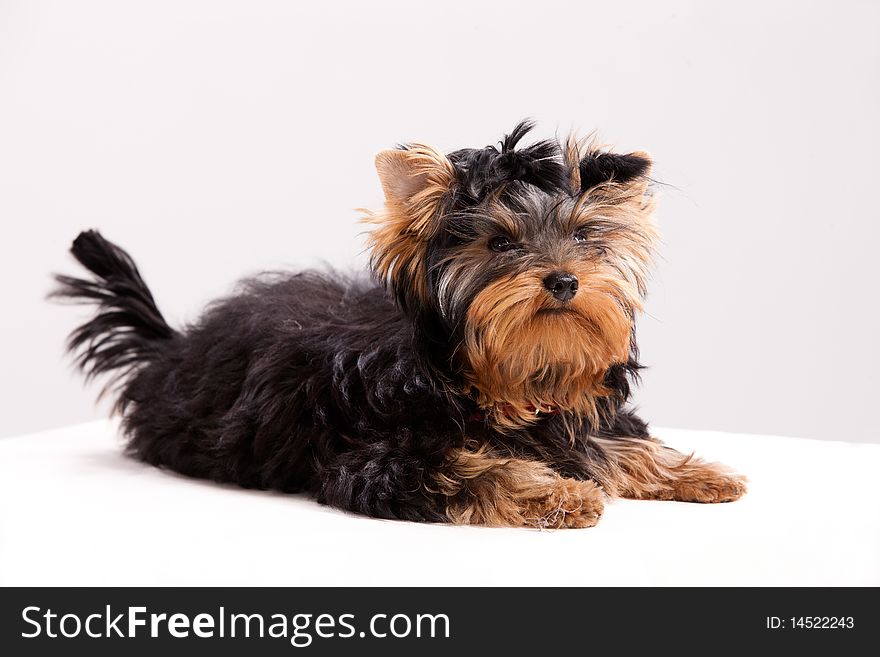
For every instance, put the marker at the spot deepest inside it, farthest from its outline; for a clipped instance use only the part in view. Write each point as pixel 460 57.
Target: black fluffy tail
pixel 128 329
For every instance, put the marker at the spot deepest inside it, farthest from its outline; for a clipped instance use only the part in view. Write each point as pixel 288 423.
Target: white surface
pixel 216 138
pixel 73 510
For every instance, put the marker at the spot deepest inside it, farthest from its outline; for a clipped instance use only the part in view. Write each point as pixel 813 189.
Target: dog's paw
pixel 569 503
pixel 506 492
pixel 709 484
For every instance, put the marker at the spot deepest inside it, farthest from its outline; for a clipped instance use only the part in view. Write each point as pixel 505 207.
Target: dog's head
pixel 533 260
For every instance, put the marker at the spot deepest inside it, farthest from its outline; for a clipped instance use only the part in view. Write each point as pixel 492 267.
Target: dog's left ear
pixel 415 180
pixel 598 167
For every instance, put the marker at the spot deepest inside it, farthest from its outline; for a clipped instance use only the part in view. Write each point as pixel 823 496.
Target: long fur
pixel 128 330
pixel 447 386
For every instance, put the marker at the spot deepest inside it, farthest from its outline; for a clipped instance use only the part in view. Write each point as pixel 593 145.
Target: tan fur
pixel 507 492
pixel 572 158
pixel 414 181
pixel 520 358
pixel 484 488
pixel 648 470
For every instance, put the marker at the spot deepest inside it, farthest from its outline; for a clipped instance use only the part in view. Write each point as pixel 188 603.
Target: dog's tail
pixel 127 330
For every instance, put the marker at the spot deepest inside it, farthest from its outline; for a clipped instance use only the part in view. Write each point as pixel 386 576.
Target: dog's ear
pixel 415 180
pixel 404 172
pixel 598 167
pixel 413 174
pixel 619 183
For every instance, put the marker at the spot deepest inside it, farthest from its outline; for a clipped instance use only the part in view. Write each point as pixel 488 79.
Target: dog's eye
pixel 580 235
pixel 500 243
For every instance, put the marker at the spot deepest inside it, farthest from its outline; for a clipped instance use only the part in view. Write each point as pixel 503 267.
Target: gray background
pixel 216 139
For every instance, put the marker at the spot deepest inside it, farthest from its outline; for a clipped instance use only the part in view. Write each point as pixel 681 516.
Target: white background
pixel 215 139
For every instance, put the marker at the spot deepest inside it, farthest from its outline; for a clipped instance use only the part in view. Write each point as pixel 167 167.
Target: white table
pixel 75 511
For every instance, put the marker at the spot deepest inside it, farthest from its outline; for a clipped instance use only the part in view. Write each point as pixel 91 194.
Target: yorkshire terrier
pixel 479 376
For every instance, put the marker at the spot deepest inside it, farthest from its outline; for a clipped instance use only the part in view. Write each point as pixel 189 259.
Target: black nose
pixel 561 284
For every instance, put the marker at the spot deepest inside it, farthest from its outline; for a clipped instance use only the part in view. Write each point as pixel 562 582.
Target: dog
pixel 479 375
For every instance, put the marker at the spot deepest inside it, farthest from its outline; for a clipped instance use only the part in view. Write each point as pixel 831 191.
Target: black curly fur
pixel 315 381
pixel 482 170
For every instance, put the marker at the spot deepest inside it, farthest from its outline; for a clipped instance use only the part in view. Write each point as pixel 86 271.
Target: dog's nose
pixel 561 285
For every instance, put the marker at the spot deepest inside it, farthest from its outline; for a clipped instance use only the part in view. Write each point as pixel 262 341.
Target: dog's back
pixel 263 389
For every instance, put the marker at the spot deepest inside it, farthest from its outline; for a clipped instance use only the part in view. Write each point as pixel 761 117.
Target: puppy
pixel 480 375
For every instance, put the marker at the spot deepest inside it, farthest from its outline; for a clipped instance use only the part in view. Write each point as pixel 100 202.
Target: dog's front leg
pixel 466 486
pixel 486 489
pixel 644 468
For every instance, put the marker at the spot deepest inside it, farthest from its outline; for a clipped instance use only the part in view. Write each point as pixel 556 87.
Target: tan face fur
pixel 519 350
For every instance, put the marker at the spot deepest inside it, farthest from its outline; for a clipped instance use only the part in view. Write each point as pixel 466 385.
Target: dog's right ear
pixel 415 180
